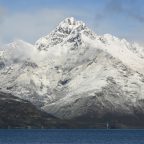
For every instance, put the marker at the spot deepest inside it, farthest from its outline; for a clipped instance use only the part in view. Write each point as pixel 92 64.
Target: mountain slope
pixel 104 85
pixel 18 113
pixel 73 72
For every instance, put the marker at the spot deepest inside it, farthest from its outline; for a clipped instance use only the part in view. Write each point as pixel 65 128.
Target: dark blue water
pixel 82 136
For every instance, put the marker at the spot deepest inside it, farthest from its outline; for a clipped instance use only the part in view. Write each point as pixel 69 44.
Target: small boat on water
pixel 107 125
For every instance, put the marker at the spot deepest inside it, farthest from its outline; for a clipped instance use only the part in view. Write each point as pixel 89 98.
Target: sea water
pixel 71 136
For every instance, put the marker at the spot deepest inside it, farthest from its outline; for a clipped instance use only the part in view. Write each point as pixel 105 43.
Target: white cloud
pixel 29 26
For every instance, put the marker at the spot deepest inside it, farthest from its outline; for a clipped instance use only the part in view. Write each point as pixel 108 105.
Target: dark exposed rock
pixel 2 65
pixel 18 113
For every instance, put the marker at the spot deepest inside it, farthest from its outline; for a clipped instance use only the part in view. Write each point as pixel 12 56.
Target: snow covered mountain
pixel 74 72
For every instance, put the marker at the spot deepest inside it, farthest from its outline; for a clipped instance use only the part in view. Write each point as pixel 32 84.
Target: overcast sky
pixel 32 19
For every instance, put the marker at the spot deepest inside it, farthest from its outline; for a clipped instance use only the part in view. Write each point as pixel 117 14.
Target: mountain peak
pixel 70 20
pixel 69 28
pixel 70 24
